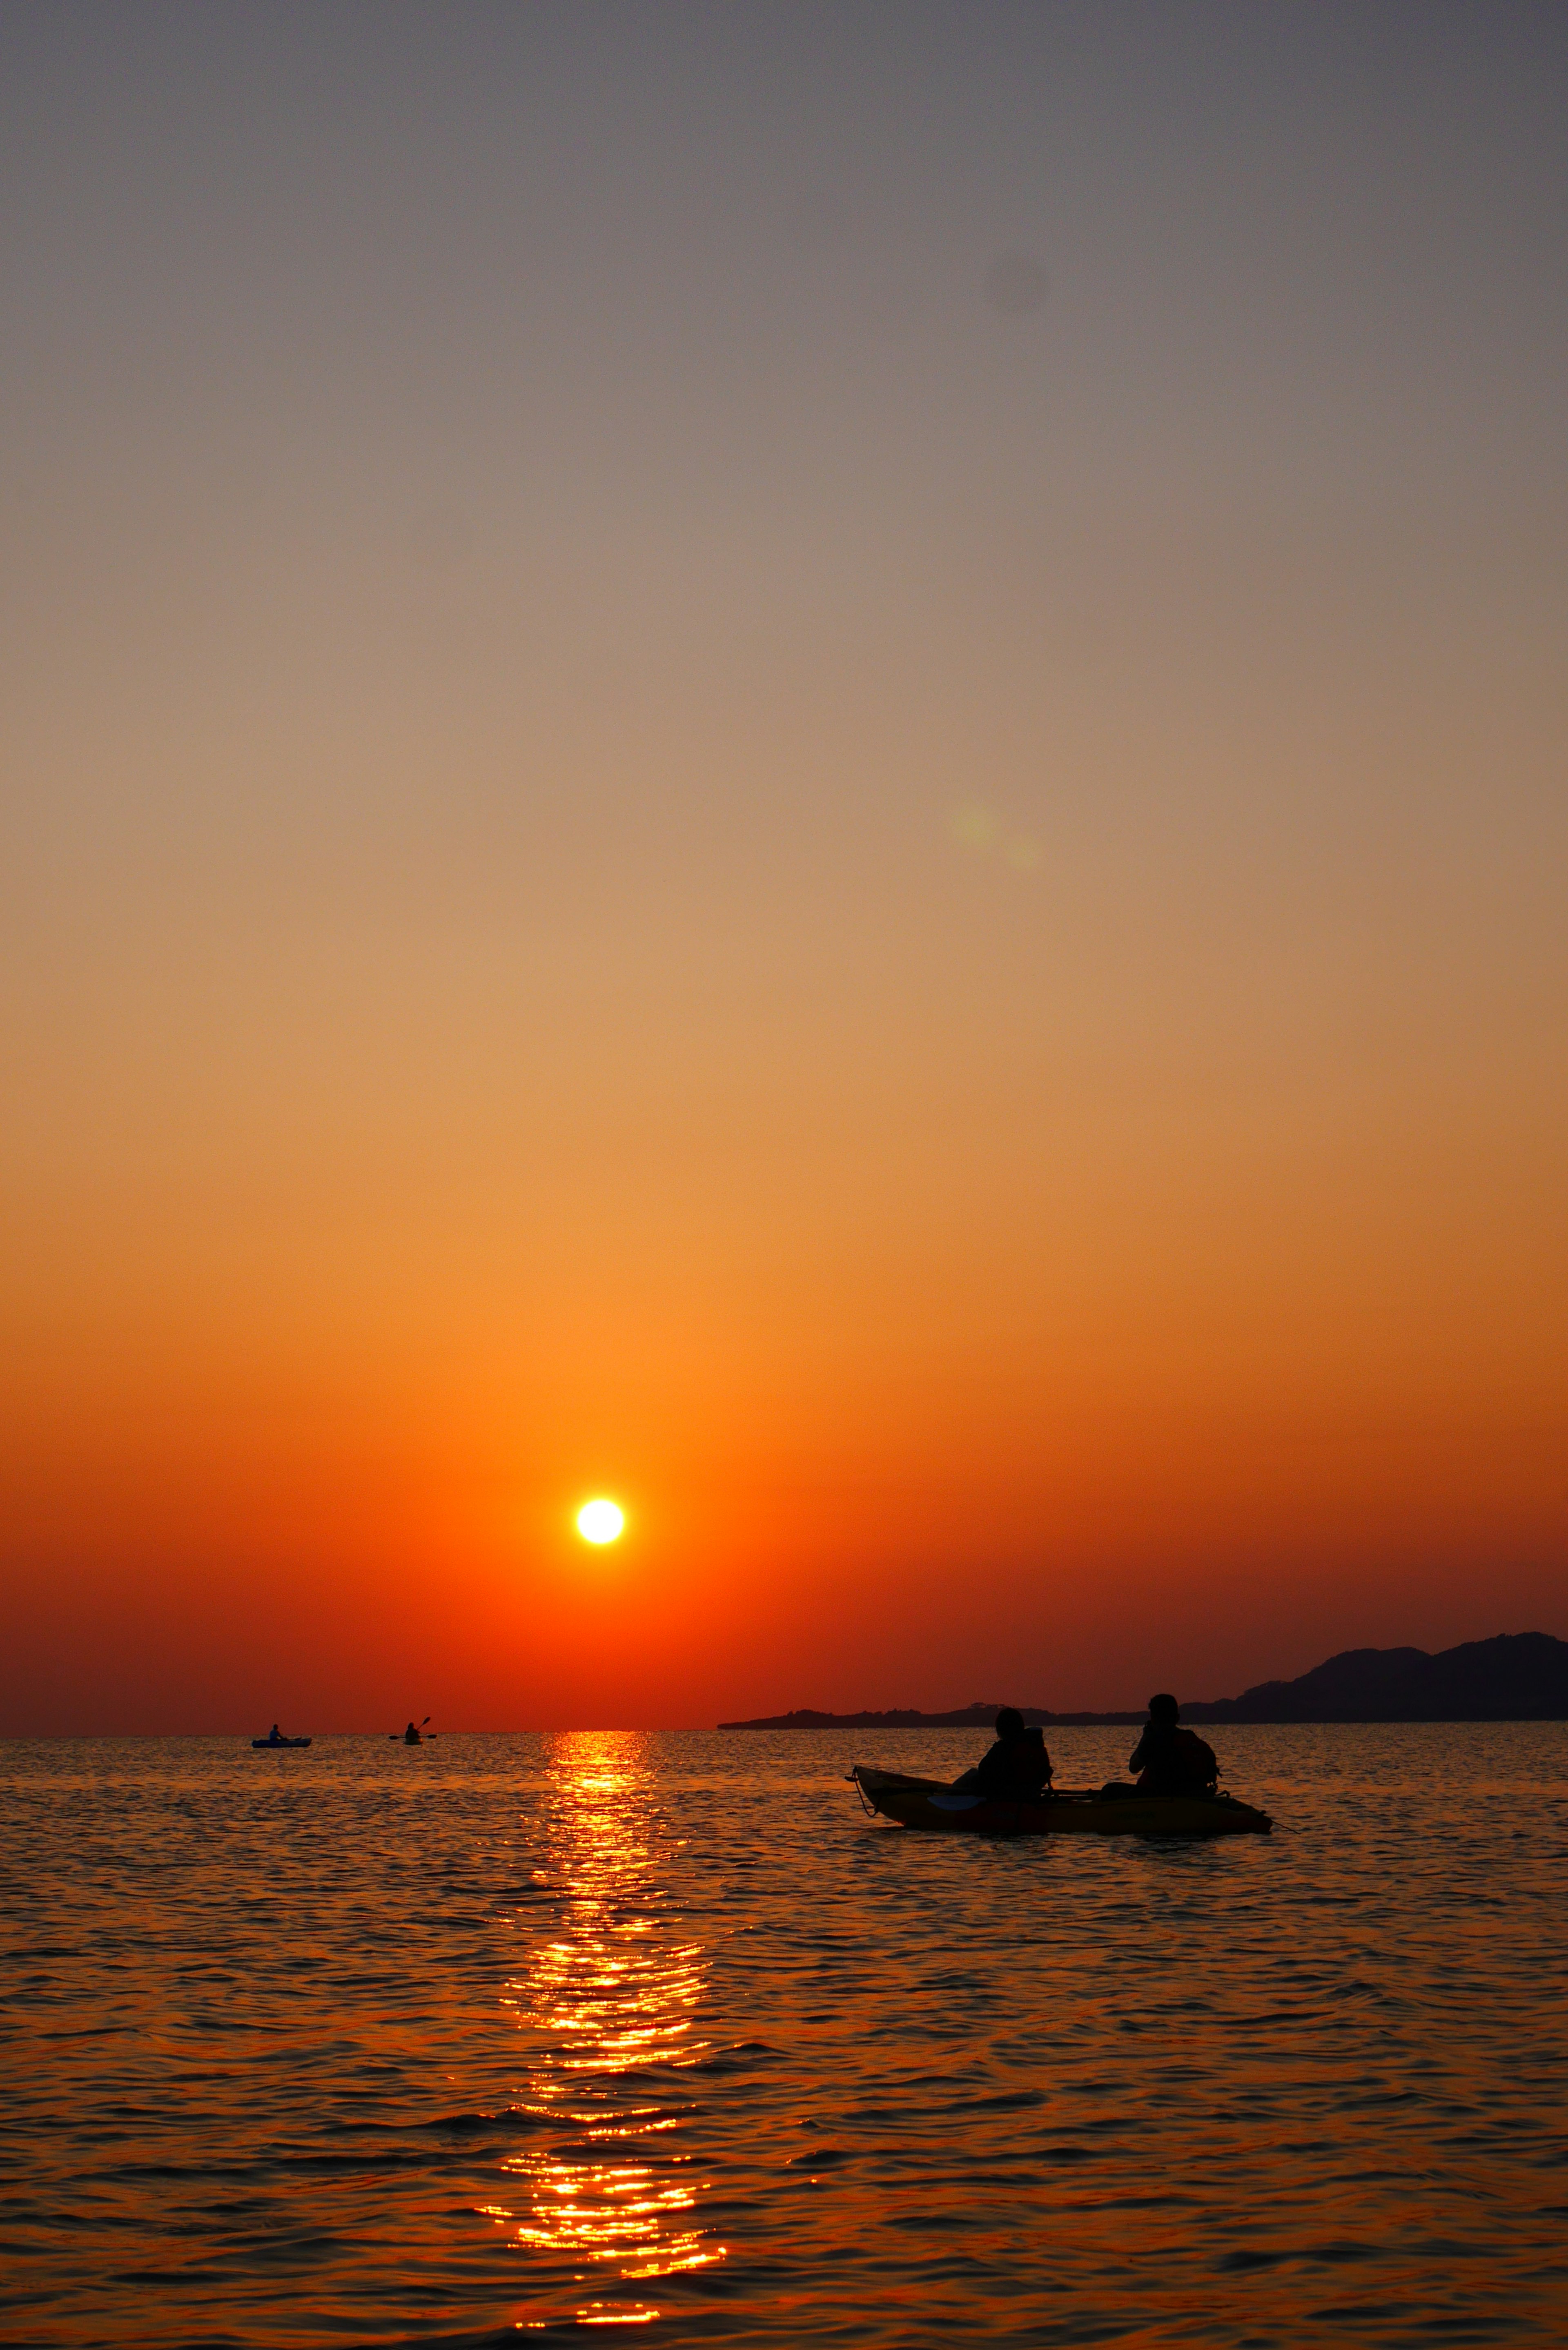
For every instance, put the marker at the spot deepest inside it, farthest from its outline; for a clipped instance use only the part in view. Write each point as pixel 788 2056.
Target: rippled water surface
pixel 368 2044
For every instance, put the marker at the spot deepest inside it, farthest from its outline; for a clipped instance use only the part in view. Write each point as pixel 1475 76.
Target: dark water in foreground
pixel 364 2045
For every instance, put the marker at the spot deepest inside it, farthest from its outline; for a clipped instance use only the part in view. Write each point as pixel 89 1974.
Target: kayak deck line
pixel 1070 1811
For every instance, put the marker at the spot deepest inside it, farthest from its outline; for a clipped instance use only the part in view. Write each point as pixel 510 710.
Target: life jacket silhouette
pixel 1018 1771
pixel 1184 1760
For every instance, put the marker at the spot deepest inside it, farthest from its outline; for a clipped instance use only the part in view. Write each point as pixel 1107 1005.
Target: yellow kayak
pixel 931 1804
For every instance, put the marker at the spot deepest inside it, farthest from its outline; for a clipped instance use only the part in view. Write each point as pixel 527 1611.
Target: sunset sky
pixel 804 764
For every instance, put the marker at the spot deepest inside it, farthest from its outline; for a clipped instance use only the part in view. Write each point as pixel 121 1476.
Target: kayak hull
pixel 275 1745
pixel 930 1803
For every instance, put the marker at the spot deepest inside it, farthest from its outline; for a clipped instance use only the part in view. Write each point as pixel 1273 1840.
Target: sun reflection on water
pixel 607 2009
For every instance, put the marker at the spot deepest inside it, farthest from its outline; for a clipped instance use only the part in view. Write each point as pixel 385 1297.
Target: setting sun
pixel 600 1521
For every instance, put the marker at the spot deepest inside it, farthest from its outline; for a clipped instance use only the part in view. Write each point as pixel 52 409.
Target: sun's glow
pixel 599 1522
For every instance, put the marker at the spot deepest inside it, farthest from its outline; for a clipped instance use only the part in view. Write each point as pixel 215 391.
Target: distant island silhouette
pixel 1517 1676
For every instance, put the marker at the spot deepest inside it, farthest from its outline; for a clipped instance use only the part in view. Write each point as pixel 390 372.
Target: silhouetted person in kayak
pixel 1168 1760
pixel 1017 1769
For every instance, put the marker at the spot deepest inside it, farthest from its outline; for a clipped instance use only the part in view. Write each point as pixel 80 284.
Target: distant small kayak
pixel 930 1803
pixel 270 1745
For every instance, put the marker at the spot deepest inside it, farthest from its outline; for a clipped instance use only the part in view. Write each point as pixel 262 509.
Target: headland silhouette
pixel 1516 1677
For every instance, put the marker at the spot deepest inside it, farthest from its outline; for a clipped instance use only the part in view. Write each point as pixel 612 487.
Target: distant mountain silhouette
pixel 1517 1676
pixel 964 1717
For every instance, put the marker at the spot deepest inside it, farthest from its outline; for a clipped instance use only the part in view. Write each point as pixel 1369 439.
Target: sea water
pixel 503 2037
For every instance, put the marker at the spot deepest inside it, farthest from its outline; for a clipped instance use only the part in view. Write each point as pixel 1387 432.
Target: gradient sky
pixel 806 763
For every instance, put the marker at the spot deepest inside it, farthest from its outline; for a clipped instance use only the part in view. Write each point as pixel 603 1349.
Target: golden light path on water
pixel 607 2005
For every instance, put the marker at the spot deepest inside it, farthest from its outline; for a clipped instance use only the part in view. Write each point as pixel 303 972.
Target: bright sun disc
pixel 599 1522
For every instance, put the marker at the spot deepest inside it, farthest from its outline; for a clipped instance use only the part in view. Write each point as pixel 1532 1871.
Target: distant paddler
pixel 411 1735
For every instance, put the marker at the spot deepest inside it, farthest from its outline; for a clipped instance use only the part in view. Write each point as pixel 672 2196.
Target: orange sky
pixel 803 765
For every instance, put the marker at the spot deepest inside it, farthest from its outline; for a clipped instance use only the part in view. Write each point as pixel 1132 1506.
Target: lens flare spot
pixel 600 1520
